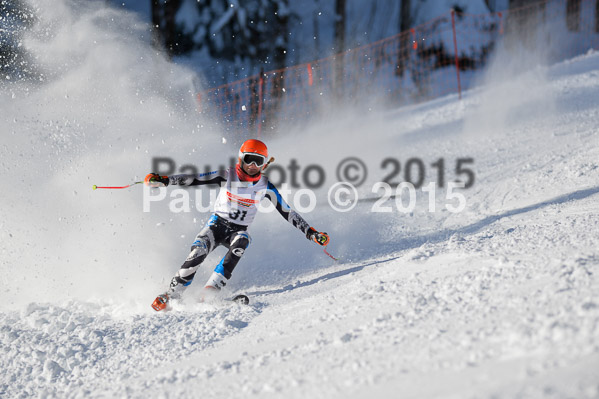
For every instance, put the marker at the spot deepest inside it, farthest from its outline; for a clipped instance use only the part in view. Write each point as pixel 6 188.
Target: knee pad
pixel 205 237
pixel 241 241
pixel 198 253
pixel 237 247
pixel 239 244
pixel 198 248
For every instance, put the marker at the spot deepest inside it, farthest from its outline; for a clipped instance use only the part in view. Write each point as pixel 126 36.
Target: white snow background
pixel 500 300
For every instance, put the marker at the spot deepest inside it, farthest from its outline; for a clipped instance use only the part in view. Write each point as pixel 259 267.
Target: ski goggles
pixel 257 159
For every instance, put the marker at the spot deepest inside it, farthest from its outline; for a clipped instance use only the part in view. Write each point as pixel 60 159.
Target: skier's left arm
pixel 293 217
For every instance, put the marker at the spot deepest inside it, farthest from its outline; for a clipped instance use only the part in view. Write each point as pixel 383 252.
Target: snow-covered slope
pixel 500 300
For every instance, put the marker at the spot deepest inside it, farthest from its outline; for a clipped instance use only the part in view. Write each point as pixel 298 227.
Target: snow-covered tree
pixel 255 31
pixel 15 17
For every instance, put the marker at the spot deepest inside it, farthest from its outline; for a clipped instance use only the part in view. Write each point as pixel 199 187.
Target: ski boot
pixel 216 282
pixel 213 286
pixel 174 292
pixel 160 302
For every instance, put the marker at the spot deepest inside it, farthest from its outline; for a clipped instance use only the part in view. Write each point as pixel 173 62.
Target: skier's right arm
pixel 215 177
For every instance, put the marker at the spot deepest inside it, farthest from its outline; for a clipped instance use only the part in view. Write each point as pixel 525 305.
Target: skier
pixel 242 189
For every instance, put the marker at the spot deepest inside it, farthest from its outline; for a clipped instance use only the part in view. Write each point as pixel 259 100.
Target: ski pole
pixel 113 188
pixel 330 256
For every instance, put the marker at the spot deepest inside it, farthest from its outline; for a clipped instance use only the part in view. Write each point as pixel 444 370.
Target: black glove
pixel 155 180
pixel 317 237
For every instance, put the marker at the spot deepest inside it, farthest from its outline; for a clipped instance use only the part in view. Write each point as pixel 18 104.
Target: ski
pixel 242 299
pixel 161 302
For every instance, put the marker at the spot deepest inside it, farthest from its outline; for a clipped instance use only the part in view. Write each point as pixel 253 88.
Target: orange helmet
pixel 253 151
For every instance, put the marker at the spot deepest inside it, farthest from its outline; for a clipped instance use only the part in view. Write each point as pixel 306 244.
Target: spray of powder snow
pixel 514 84
pixel 106 102
pixel 106 105
pixel 109 103
pixel 515 90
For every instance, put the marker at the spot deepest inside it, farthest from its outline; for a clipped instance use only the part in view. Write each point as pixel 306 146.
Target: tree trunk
pixel 170 27
pixel 573 15
pixel 280 57
pixel 281 41
pixel 405 23
pixel 339 26
pixel 156 19
pixel 339 44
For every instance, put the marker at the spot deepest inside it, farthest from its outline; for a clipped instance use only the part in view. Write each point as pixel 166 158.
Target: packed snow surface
pixel 498 300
